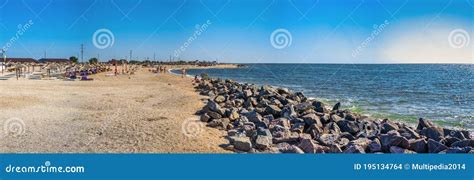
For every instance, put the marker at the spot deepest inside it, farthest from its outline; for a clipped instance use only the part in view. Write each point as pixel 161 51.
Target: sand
pixel 146 113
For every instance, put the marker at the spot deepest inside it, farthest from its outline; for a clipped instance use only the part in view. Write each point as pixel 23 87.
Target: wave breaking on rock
pixel 265 119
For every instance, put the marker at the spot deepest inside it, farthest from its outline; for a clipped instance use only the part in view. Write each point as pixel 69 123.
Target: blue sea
pixel 443 93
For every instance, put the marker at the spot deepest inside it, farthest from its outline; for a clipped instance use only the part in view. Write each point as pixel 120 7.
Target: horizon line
pixel 342 63
pixel 224 62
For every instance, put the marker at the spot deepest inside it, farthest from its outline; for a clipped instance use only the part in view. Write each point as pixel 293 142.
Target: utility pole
pixel 154 56
pixel 4 60
pixel 130 56
pixel 82 53
pixel 45 54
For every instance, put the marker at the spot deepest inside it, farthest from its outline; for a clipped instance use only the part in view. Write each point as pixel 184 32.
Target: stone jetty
pixel 265 119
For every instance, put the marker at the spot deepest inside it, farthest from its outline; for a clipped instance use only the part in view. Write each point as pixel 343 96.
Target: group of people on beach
pixel 73 74
pixel 162 69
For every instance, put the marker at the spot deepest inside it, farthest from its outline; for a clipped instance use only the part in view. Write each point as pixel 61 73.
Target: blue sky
pixel 322 31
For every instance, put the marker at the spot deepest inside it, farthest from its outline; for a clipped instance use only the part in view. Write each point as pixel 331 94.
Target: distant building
pixel 19 60
pixel 54 60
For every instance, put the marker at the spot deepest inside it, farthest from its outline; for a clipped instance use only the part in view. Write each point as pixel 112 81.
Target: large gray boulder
pixel 351 127
pixel 464 143
pixel 362 142
pixel 311 119
pixel 214 115
pixel 423 123
pixel 408 133
pixel 388 126
pixel 332 128
pixel 336 106
pixel 234 114
pixel 375 146
pixel 320 107
pixel 205 118
pixel 250 102
pixel 254 117
pixel 310 146
pixel 221 123
pixel 263 142
pixel 288 148
pixel 328 139
pixel 273 110
pixel 213 106
pixel 354 149
pixel 418 145
pixel 399 150
pixel 288 112
pixel 388 141
pixel 248 93
pixel 459 150
pixel 435 146
pixel 433 132
pixel 301 107
pixel 242 143
pixel 335 118
pixel 455 133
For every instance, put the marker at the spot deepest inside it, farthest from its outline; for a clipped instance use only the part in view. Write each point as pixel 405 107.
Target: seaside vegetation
pixel 73 59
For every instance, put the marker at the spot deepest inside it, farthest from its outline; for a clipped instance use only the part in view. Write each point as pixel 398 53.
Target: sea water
pixel 443 93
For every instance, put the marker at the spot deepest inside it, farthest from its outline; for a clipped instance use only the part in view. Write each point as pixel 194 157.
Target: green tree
pixel 134 62
pixel 93 61
pixel 73 59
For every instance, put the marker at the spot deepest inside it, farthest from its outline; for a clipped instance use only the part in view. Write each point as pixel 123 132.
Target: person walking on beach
pixel 183 72
pixel 196 79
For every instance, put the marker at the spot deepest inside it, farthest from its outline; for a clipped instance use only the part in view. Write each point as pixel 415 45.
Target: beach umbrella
pixel 55 66
pixel 34 65
pixel 50 66
pixel 10 64
pixel 31 66
pixel 45 66
pixel 87 66
pixel 18 67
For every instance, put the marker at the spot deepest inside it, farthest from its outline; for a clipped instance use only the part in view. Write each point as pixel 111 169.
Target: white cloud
pixel 424 41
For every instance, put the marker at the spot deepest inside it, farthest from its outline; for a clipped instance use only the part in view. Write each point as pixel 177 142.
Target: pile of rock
pixel 276 120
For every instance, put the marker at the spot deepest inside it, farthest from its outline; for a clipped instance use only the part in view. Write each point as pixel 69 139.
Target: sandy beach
pixel 143 113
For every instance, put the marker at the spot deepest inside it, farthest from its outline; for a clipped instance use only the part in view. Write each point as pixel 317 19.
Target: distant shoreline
pixel 219 66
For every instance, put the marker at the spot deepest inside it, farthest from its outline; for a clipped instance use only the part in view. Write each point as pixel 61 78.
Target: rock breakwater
pixel 265 119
